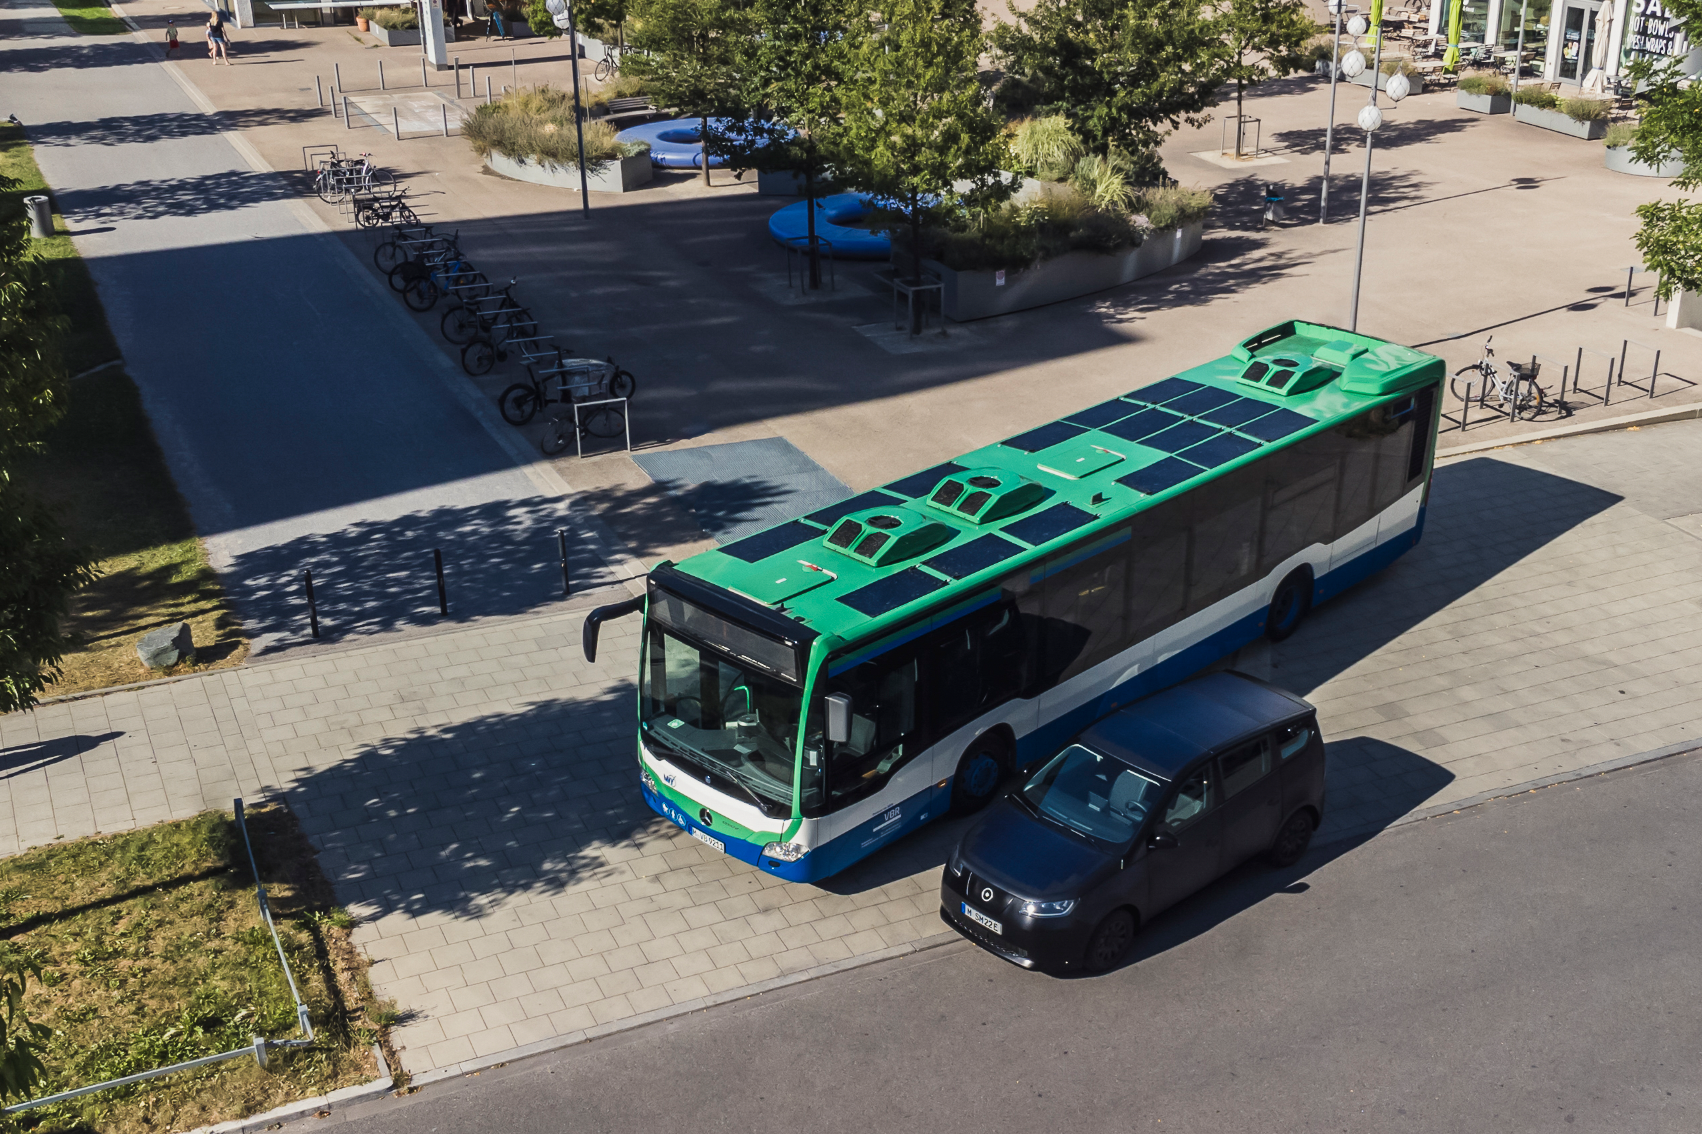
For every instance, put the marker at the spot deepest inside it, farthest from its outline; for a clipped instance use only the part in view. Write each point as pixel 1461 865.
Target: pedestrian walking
pixel 171 43
pixel 218 38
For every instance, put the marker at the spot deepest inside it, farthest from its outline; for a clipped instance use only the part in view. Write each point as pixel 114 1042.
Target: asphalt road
pixel 1529 964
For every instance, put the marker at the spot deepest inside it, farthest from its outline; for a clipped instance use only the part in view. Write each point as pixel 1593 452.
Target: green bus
pixel 810 693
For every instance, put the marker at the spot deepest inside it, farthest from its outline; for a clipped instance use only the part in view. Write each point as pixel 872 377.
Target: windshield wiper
pixel 730 775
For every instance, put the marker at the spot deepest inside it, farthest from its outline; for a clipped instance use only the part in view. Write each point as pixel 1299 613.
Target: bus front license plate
pixel 980 918
pixel 703 838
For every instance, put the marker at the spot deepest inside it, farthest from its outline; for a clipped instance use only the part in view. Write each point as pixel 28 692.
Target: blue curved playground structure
pixel 676 143
pixel 790 227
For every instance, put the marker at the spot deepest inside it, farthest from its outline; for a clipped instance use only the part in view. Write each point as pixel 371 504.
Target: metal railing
pixel 258 1049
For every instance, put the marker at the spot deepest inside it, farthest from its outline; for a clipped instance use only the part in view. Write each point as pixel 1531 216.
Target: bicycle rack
pixel 579 433
pixel 1465 408
pixel 324 153
pixel 1565 375
pixel 800 247
pixel 1606 395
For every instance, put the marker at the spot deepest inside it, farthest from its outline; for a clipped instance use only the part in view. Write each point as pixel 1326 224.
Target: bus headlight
pixel 785 852
pixel 649 780
pixel 1049 909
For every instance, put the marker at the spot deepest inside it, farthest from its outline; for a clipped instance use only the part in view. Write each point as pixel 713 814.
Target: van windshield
pixel 1092 794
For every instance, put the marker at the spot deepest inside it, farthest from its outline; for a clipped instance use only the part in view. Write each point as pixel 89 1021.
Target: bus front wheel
pixel 1289 605
pixel 978 776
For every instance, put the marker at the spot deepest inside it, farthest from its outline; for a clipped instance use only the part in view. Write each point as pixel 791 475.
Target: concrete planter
pixel 399 37
pixel 1619 159
pixel 1364 80
pixel 978 295
pixel 620 176
pixel 1485 103
pixel 1558 122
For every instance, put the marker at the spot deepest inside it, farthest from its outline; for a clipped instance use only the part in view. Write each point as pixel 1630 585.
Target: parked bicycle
pixel 575 379
pixel 608 66
pixel 384 211
pixel 338 177
pixel 448 274
pixel 417 256
pixel 1517 391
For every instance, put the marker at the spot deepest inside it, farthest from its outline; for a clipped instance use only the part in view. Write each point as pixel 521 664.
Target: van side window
pixel 1244 766
pixel 1292 739
pixel 1193 799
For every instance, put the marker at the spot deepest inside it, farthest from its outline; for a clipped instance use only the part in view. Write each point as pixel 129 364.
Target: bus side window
pixel 1301 506
pixel 977 663
pixel 1226 536
pixel 1083 609
pixel 1424 428
pixel 884 719
pixel 1158 572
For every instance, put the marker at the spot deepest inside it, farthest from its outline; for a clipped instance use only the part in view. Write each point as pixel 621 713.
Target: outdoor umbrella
pixel 1597 79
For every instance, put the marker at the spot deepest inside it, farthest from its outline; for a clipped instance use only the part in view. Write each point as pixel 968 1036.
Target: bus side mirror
pixel 838 717
pixel 602 614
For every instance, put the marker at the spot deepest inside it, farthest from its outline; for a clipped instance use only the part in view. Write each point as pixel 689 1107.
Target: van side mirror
pixel 1162 840
pixel 838 717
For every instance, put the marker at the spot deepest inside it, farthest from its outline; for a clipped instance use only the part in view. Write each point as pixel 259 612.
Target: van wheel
pixel 978 776
pixel 1110 942
pixel 1291 842
pixel 1289 605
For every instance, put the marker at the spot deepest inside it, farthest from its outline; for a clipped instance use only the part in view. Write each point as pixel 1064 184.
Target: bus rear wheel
pixel 978 776
pixel 1293 598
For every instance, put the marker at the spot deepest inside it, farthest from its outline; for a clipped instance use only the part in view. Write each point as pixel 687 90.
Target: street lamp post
pixel 1330 126
pixel 562 12
pixel 1370 118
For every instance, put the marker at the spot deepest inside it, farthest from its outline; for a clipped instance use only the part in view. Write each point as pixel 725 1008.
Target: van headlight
pixel 785 852
pixel 1049 909
pixel 954 864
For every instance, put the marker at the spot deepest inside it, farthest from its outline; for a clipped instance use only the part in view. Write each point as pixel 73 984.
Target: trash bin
pixel 41 216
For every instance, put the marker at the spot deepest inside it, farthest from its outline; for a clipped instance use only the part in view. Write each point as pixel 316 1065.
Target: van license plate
pixel 980 918
pixel 703 838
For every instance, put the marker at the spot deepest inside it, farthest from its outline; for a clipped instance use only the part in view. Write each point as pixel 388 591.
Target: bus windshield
pixel 720 720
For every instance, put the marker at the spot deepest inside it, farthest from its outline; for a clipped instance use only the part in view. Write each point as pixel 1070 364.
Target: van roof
pixel 1163 733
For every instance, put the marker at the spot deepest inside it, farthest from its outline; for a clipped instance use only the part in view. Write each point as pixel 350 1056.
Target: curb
pixel 1459 805
pixel 289 1112
pixel 745 992
pixel 1605 425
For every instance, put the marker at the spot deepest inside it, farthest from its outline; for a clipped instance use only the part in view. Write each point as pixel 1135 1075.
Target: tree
pixel 916 122
pixel 39 570
pixel 688 53
pixel 1124 72
pixel 790 119
pixel 1262 39
pixel 1670 237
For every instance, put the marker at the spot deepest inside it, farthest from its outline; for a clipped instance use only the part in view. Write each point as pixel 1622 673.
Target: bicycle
pixel 608 66
pixel 418 256
pixel 602 421
pixel 450 274
pixel 338 177
pixel 475 317
pixel 1518 392
pixel 520 402
pixel 384 211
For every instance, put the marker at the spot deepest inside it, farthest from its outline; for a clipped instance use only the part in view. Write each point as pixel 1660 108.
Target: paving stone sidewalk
pixel 472 791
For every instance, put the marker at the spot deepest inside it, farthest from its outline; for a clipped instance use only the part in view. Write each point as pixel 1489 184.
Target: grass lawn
pixel 155 953
pixel 106 479
pixel 90 17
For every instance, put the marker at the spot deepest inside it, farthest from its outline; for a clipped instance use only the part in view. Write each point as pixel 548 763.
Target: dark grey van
pixel 1142 809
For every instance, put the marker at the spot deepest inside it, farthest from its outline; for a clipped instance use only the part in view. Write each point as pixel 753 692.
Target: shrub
pixel 392 19
pixel 1537 97
pixel 1586 109
pixel 1104 181
pixel 1172 206
pixel 1399 67
pixel 1046 147
pixel 537 125
pixel 1620 134
pixel 1484 85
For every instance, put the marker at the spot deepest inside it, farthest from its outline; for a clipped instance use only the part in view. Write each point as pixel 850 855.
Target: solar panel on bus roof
pixel 1201 400
pixel 1160 475
pixel 922 483
pixel 1160 392
pixel 1050 524
pixel 873 498
pixel 1045 437
pixel 1220 450
pixel 1238 412
pixel 1179 437
pixel 771 542
pixel 1143 424
pixel 1276 426
pixel 1102 414
pixel 976 555
pixel 891 592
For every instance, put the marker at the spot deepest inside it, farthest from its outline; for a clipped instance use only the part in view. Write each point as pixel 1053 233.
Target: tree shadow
pixel 1227 263
pixel 118 131
pixel 456 819
pixel 1394 134
pixel 195 195
pixel 35 756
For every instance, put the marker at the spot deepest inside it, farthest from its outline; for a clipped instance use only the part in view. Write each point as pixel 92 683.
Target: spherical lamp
pixel 1370 118
pixel 1353 64
pixel 1399 87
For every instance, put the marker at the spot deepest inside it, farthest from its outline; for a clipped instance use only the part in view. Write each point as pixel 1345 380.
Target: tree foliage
pixel 39 570
pixel 918 132
pixel 1671 128
pixel 1124 72
pixel 1671 243
pixel 22 1040
pixel 1262 39
pixel 688 52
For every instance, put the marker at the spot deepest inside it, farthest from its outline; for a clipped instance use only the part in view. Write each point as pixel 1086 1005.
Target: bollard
pixel 336 101
pixel 561 538
pixel 487 90
pixel 312 607
pixel 381 85
pixel 425 81
pixel 1607 391
pixel 319 87
pixel 1466 407
pixel 1629 272
pixel 442 591
pixel 338 68
pixel 1655 373
pixel 473 78
pixel 514 63
pixel 396 123
pixel 347 125
pixel 457 77
pixel 41 216
pixel 446 120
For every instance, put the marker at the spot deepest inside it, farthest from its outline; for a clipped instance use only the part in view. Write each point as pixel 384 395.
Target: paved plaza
pixel 473 790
